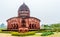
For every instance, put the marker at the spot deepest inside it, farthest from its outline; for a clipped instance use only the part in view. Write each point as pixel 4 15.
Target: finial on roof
pixel 23 3
pixel 24 7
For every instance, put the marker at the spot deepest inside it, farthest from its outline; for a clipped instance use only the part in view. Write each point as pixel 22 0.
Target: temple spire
pixel 23 7
pixel 23 1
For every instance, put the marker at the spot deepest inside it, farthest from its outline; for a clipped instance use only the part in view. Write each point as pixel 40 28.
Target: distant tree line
pixel 52 27
pixel 2 26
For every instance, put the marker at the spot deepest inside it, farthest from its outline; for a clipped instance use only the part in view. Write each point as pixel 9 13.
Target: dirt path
pixel 9 35
pixel 5 35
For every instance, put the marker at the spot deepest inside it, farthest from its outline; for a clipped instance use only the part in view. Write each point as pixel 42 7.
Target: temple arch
pixel 23 23
pixel 14 26
pixel 32 26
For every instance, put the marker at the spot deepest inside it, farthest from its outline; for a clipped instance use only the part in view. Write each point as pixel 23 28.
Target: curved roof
pixel 23 7
pixel 20 17
pixel 35 18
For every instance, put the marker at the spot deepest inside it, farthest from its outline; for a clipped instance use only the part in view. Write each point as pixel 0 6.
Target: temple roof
pixel 23 7
pixel 20 17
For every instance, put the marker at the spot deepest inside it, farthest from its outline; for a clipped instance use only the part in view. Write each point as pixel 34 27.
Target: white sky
pixel 48 11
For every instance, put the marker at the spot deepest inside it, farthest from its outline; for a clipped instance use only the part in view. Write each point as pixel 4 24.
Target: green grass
pixel 23 34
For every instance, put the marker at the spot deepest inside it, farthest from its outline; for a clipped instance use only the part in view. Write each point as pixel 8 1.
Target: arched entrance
pixel 23 23
pixel 32 26
pixel 23 26
pixel 15 26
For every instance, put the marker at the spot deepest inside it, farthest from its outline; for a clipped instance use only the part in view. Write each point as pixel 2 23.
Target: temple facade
pixel 23 22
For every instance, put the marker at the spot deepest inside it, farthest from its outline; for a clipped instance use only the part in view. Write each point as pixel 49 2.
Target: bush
pixel 22 34
pixel 46 33
pixel 43 30
pixel 15 33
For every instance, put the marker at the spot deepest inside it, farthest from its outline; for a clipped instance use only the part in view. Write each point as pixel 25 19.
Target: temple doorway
pixel 23 23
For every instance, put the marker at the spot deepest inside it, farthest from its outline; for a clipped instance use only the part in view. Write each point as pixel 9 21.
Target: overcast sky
pixel 48 11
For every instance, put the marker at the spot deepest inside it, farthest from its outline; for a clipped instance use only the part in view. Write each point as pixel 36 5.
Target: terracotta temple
pixel 23 22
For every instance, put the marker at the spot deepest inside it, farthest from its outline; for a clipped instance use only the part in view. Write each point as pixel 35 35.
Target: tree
pixel 2 25
pixel 47 27
pixel 55 27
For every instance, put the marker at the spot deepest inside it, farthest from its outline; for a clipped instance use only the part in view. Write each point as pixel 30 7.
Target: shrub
pixel 15 33
pixel 46 33
pixel 41 30
pixel 22 34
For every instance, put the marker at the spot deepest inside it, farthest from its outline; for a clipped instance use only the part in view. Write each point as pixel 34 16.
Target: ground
pixel 36 35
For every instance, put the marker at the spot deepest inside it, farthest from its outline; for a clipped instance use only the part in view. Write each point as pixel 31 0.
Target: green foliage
pixel 2 25
pixel 22 34
pixel 41 30
pixel 46 25
pixel 52 27
pixel 55 27
pixel 46 33
pixel 15 34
